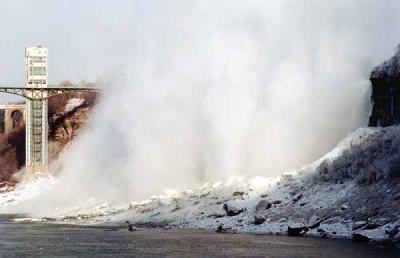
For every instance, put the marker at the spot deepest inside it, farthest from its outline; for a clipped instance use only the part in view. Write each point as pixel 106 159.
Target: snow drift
pixel 361 199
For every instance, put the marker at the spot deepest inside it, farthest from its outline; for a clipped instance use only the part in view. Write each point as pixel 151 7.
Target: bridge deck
pixel 44 92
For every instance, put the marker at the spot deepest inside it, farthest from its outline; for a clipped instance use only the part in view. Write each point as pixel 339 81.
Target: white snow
pixel 73 103
pixel 297 198
pixel 26 191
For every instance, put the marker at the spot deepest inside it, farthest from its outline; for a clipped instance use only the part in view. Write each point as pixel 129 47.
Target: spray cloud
pixel 204 90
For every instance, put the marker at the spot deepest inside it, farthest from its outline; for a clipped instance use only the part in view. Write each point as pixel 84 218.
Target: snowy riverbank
pixel 352 192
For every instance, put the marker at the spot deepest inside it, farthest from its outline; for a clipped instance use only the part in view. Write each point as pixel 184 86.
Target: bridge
pixel 32 93
pixel 36 92
pixel 14 117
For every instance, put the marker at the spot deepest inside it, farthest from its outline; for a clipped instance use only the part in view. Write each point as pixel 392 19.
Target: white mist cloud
pixel 203 90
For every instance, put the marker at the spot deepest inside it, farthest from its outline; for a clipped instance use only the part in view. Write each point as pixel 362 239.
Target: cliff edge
pixel 385 81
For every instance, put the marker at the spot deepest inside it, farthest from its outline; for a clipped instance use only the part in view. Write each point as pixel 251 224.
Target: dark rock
pixel 262 205
pixel 385 81
pixel 221 229
pixel 159 224
pixel 371 226
pixel 277 202
pixel 204 195
pixel 297 230
pixel 259 219
pixel 221 202
pixel 216 215
pixel 176 209
pixel 131 227
pixel 358 237
pixel 293 193
pixel 380 221
pixel 393 230
pixel 359 224
pixel 237 193
pixel 297 198
pixel 344 207
pixel 231 210
pixel 314 222
pixel 375 223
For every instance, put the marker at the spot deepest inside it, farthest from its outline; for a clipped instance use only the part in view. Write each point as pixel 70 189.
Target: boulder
pixel 237 193
pixel 393 230
pixel 262 205
pixel 322 233
pixel 216 215
pixel 314 222
pixel 131 227
pixel 344 207
pixel 297 198
pixel 263 195
pixel 371 225
pixel 231 210
pixel 297 230
pixel 221 229
pixel 359 224
pixel 259 219
pixel 359 237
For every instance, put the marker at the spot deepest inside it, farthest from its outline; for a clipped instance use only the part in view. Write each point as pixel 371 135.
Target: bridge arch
pixel 17 119
pixel 13 117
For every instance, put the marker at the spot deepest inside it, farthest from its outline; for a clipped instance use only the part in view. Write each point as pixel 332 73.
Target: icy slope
pixel 351 191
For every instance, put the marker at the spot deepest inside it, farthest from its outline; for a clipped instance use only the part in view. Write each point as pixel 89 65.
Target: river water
pixel 19 239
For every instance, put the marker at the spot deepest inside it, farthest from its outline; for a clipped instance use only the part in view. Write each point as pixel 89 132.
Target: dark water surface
pixel 52 240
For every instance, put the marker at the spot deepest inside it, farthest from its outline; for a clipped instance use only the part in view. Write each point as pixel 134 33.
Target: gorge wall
pixel 385 81
pixel 67 115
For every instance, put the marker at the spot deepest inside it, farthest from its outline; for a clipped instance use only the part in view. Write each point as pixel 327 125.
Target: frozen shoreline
pixel 320 200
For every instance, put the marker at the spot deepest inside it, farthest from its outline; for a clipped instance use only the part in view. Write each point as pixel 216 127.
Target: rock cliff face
pixel 64 126
pixel 385 80
pixel 67 115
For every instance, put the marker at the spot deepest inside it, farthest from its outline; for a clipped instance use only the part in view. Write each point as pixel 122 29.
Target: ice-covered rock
pixel 297 229
pixel 231 210
pixel 259 219
pixel 297 197
pixel 314 222
pixel 262 205
pixel 359 224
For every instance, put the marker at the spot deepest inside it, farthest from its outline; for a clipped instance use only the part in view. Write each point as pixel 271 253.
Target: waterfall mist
pixel 198 91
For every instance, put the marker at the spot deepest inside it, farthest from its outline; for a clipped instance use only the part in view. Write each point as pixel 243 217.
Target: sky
pixel 88 38
pixel 203 90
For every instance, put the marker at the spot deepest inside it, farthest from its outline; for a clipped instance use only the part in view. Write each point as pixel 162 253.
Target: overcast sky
pixel 87 39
